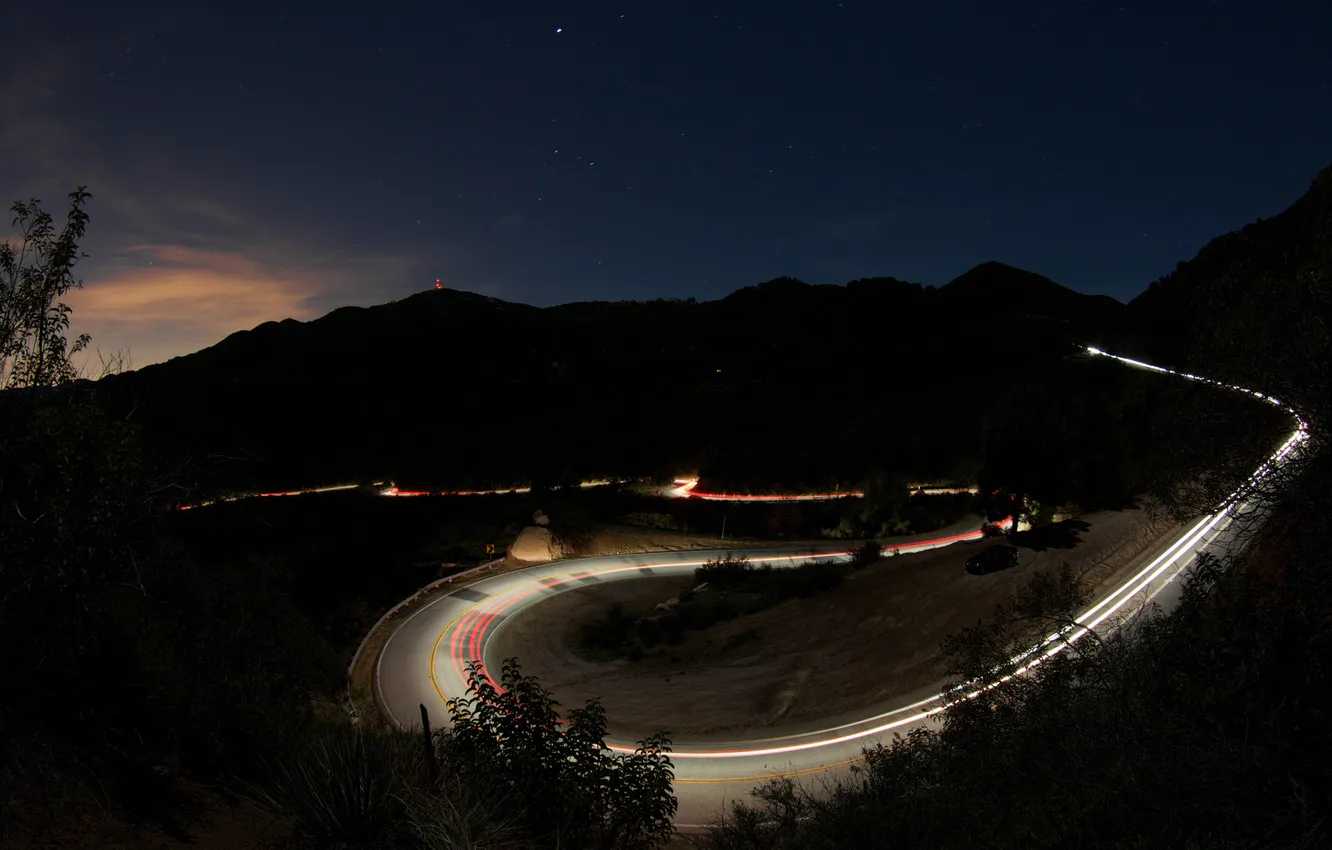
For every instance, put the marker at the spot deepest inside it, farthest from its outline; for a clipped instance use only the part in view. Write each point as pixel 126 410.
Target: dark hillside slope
pixel 1254 305
pixel 449 388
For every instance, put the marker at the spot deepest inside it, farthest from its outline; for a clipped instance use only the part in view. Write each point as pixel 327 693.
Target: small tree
pixel 79 551
pixel 884 501
pixel 1028 457
pixel 575 791
pixel 36 270
pixel 866 554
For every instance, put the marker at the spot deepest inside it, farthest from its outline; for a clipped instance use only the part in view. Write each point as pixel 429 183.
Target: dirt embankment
pixel 873 640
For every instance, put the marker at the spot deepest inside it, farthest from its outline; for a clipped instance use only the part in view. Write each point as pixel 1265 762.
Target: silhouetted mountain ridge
pixel 422 312
pixel 459 387
pixel 988 288
pixel 994 286
pixel 456 388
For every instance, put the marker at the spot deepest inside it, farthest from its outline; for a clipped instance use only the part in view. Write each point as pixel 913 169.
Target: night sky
pixel 254 167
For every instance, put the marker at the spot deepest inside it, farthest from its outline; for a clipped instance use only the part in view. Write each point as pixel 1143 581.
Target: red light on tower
pixel 438 285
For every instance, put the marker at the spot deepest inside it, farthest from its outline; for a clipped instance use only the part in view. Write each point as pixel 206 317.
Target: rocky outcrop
pixel 534 545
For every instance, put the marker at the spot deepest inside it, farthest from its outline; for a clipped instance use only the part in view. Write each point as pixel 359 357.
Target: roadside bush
pixel 864 556
pixel 847 528
pixel 610 632
pixel 572 789
pixel 727 573
pixel 735 586
pixel 775 585
pixel 706 611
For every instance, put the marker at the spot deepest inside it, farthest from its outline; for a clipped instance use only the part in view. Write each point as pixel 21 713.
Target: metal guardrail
pixel 360 648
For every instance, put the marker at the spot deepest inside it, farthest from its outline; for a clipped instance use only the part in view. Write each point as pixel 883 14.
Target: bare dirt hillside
pixel 870 642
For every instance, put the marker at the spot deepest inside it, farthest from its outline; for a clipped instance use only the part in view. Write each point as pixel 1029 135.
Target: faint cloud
pixel 208 210
pixel 179 256
pixel 203 299
pixel 32 132
pixel 509 221
pixel 178 259
pixel 174 300
pixel 162 301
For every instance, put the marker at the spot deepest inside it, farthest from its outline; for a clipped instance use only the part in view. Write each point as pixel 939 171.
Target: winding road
pixel 422 663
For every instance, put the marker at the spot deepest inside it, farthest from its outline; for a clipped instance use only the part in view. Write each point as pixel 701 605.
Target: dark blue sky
pixel 254 166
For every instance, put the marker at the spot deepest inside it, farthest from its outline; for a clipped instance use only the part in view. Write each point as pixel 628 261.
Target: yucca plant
pixel 345 787
pixel 459 816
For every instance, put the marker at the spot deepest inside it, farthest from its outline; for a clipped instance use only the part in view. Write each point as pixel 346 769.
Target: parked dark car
pixel 992 560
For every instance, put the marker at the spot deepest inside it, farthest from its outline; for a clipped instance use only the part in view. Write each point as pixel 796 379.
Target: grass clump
pixel 770 584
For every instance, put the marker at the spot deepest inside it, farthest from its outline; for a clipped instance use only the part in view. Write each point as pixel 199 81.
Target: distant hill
pixel 451 388
pixel 995 286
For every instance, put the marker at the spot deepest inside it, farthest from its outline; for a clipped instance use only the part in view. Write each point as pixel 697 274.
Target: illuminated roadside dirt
pixel 869 643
